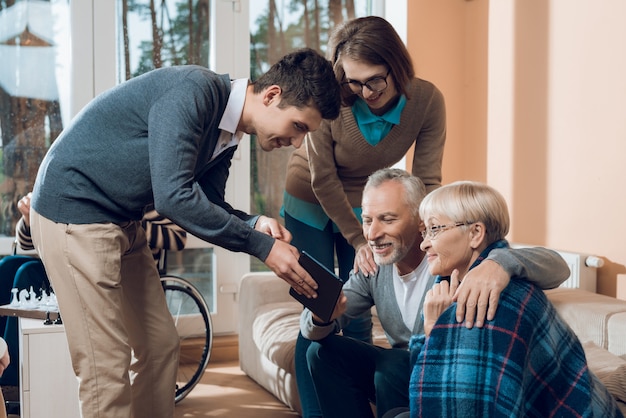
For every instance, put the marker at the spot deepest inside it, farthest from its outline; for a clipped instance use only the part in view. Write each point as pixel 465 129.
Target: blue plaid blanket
pixel 527 362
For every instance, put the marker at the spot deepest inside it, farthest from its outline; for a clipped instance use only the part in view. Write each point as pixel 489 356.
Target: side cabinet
pixel 48 386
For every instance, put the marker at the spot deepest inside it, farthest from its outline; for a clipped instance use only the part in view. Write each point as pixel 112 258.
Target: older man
pixel 348 374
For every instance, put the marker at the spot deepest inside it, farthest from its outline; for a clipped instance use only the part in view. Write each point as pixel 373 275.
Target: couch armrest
pixel 258 289
pixel 262 288
pixel 265 306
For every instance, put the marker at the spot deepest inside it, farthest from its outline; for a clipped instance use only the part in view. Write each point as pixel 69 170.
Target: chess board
pixel 34 312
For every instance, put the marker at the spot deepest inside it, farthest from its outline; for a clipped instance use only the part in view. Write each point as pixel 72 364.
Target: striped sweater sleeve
pixel 22 235
pixel 163 234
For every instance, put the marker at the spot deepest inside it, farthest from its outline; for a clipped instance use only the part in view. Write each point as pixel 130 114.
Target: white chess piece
pixel 23 296
pixel 14 300
pixel 32 297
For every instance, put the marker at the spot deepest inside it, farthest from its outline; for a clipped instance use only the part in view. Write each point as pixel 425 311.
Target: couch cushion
pixel 586 313
pixel 610 369
pixel 275 330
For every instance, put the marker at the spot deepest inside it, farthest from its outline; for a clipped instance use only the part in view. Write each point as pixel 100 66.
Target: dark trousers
pixel 348 375
pixel 322 245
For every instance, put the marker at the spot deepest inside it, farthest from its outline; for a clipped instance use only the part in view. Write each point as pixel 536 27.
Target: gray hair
pixel 413 186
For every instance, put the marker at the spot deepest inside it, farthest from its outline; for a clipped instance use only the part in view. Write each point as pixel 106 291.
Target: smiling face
pixel 390 226
pixel 452 247
pixel 363 72
pixel 277 126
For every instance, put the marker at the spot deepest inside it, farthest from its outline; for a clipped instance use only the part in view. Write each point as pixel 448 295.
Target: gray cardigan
pixel 149 140
pixel 542 266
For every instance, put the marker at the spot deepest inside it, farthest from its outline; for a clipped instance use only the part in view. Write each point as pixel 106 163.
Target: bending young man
pixel 164 138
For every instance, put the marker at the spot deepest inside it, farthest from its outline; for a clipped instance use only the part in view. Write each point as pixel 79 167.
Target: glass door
pixel 152 34
pixel 35 75
pixel 277 28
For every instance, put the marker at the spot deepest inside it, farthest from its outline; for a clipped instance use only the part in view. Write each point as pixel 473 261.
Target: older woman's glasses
pixel 374 84
pixel 433 232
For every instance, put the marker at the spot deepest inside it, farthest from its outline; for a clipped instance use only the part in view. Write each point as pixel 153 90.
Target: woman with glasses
pixel 387 110
pixel 526 362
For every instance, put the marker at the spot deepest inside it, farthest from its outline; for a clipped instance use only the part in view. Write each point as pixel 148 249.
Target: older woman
pixel 526 362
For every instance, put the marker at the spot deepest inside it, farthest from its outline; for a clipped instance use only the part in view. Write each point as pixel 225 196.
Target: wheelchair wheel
pixel 193 323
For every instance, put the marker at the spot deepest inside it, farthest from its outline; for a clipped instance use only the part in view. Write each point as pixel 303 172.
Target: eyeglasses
pixel 374 84
pixel 433 232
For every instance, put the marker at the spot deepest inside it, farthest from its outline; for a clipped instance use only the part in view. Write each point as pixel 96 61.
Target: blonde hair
pixel 469 202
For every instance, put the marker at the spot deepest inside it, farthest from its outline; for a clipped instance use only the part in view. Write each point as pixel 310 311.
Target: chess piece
pixel 14 300
pixel 32 296
pixel 25 301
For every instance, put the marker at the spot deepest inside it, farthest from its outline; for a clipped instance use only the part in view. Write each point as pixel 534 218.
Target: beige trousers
pixel 3 410
pixel 113 309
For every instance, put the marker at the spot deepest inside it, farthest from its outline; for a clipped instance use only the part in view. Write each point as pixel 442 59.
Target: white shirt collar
pixel 234 106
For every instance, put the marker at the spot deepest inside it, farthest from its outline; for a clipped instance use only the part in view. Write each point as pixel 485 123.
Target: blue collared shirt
pixel 373 127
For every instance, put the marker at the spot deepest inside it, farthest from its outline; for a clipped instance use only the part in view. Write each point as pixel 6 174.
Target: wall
pixel 536 95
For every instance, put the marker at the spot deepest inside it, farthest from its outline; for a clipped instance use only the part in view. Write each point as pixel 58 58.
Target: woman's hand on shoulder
pixel 364 261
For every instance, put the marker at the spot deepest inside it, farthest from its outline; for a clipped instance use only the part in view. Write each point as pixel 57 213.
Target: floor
pixel 225 391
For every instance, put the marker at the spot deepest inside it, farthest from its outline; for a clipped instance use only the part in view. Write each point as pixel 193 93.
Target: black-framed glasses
pixel 374 84
pixel 434 231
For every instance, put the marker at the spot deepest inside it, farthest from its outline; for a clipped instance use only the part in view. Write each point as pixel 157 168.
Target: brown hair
pixel 372 40
pixel 306 79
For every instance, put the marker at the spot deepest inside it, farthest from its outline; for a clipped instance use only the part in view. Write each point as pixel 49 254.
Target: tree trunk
pixel 334 12
pixel 156 37
pixel 125 35
pixel 350 9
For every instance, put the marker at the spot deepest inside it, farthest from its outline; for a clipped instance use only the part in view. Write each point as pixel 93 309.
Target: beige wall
pixel 536 99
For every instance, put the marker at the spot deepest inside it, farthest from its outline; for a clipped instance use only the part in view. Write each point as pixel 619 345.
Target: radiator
pixel 583 268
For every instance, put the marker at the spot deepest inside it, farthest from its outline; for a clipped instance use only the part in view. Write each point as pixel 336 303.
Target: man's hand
pixel 24 207
pixel 479 293
pixel 340 309
pixel 273 228
pixel 283 260
pixel 364 261
pixel 438 299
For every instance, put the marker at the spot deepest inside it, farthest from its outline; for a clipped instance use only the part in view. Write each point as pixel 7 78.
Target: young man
pixel 164 138
pixel 349 374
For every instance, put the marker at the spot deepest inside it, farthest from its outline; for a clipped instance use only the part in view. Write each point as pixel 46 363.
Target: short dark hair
pixel 306 79
pixel 372 40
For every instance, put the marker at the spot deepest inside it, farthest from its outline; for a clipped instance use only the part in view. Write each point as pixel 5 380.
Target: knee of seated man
pixel 322 353
pixel 393 365
pixel 313 352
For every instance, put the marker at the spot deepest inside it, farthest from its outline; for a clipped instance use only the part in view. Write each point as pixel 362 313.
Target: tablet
pixel 328 288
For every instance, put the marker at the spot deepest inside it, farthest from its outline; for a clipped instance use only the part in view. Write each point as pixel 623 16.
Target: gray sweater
pixel 149 140
pixel 542 266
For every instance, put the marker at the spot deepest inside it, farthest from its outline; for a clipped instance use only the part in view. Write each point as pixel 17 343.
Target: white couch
pixel 269 324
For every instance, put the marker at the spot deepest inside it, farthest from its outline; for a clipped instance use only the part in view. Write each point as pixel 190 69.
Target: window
pixel 57 55
pixel 34 100
pixel 276 28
